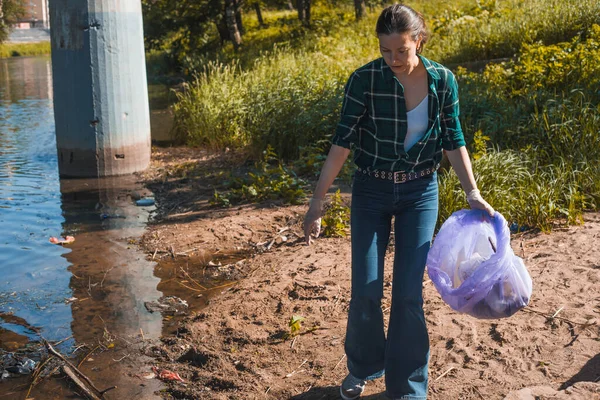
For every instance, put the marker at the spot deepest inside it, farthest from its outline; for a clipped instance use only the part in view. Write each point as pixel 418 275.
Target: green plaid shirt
pixel 373 119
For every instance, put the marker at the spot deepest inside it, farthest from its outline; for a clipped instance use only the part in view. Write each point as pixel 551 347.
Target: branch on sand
pixel 78 377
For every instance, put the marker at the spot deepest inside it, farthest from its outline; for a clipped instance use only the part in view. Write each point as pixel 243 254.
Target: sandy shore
pixel 238 346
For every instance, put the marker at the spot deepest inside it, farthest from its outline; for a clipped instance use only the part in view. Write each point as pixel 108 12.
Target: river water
pixel 89 294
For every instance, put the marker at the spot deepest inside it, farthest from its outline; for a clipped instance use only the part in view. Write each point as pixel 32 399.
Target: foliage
pixel 549 112
pixel 479 144
pixel 24 49
pixel 295 325
pixel 498 28
pixel 286 101
pixel 551 69
pixel 332 30
pixel 526 115
pixel 270 179
pixel 10 12
pixel 180 26
pixel 336 220
pixel 524 191
pixel 192 33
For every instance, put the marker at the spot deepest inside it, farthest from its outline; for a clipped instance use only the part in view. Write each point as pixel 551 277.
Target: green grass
pixel 526 192
pixel 492 29
pixel 24 49
pixel 286 101
pixel 532 113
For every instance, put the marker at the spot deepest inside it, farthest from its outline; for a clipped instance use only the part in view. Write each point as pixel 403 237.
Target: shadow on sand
pixel 332 393
pixel 589 373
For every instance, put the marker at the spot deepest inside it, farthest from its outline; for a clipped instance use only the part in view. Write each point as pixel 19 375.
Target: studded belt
pixel 398 176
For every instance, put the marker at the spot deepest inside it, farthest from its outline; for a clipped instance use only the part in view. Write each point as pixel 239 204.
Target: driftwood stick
pixel 107 389
pixel 88 392
pixel 551 317
pixel 72 370
pixel 339 362
pixel 192 279
pixel 445 373
pixel 87 355
pixel 35 375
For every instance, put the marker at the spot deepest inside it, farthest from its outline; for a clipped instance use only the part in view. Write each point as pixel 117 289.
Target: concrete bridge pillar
pixel 100 90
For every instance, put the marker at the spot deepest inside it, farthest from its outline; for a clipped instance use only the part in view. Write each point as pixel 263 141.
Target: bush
pixel 526 116
pixel 269 179
pixel 336 219
pixel 524 191
pixel 286 101
pixel 553 107
pixel 495 29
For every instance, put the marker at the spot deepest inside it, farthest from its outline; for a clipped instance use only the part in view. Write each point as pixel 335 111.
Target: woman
pixel 399 112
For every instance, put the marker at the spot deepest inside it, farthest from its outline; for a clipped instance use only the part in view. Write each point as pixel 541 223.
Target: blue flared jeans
pixel 404 354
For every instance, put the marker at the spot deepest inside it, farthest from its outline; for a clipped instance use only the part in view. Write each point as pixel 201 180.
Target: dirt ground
pixel 238 345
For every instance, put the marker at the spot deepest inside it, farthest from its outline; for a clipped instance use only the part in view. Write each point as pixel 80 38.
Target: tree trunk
pixel 2 25
pixel 237 4
pixel 222 29
pixel 261 22
pixel 232 27
pixel 300 8
pixel 360 9
pixel 290 5
pixel 306 12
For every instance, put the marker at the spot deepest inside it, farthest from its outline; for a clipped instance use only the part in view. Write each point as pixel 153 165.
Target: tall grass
pixel 286 100
pixel 538 109
pixel 525 191
pixel 495 29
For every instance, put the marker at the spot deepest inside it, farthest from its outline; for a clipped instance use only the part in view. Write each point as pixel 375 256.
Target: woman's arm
pixel 461 163
pixel 333 164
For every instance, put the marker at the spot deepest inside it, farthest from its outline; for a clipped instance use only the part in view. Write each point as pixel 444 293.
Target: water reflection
pixel 25 77
pixel 110 278
pixel 33 276
pixel 92 290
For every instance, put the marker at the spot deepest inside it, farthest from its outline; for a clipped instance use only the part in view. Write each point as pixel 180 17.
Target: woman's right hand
pixel 312 219
pixel 332 166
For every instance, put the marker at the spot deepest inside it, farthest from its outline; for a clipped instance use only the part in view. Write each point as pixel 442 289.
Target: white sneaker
pixel 351 387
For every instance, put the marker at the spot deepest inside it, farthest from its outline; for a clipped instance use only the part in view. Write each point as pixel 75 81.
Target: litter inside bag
pixel 474 268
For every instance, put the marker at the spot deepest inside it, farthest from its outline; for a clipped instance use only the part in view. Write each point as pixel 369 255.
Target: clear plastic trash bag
pixel 474 268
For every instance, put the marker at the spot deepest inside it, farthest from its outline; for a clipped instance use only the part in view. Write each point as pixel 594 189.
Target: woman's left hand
pixel 477 202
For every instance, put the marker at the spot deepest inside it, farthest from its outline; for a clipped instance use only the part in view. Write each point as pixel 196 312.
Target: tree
pixel 300 8
pixel 10 12
pixel 232 26
pixel 261 22
pixel 360 9
pixel 256 5
pixel 307 12
pixel 303 7
pixel 187 26
pixel 237 5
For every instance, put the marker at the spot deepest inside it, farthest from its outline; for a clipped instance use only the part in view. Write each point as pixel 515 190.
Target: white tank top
pixel 417 121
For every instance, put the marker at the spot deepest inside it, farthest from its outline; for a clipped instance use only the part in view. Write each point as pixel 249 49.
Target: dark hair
pixel 399 18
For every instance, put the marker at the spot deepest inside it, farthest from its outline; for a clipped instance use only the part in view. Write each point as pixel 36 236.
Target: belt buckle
pixel 399 177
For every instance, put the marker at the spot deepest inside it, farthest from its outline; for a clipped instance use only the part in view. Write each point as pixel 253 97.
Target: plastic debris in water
pixel 167 375
pixel 23 367
pixel 61 241
pixel 145 202
pixel 107 216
